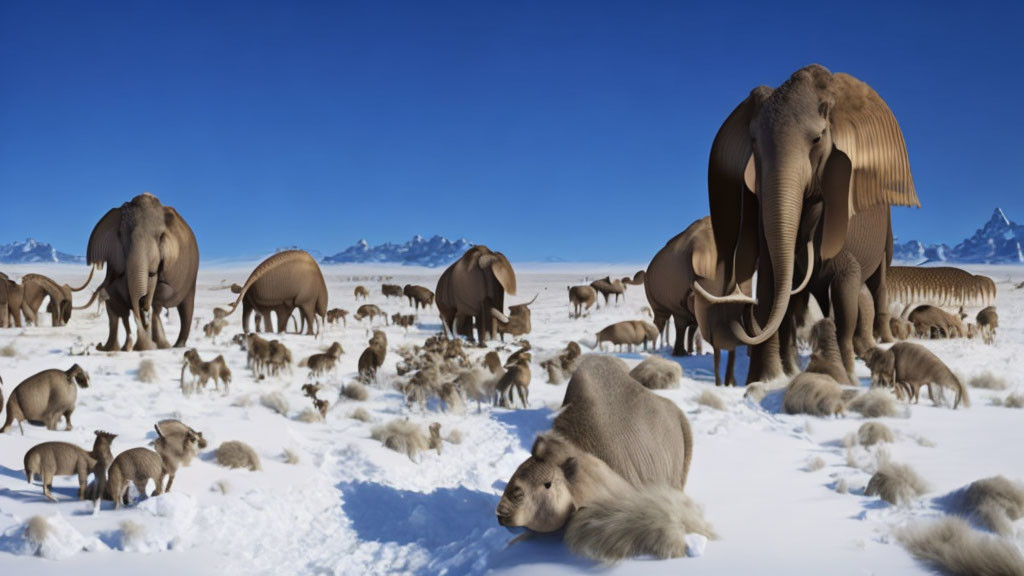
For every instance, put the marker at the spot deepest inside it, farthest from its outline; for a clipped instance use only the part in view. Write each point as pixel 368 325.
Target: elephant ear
pixel 502 270
pixel 730 167
pixel 704 257
pixel 105 244
pixel 174 252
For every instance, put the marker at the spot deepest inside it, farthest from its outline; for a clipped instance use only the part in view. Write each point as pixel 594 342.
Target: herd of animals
pixel 801 179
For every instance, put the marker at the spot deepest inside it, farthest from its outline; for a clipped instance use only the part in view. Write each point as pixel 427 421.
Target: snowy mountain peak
pixel 437 251
pixel 997 242
pixel 32 250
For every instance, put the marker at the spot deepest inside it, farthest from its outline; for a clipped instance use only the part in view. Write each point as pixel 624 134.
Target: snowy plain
pixel 351 506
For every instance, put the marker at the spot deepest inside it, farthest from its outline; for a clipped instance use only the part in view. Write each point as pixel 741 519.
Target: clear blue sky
pixel 539 128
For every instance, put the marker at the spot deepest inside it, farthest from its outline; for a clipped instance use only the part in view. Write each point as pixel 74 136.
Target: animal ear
pixel 864 128
pixel 158 432
pixel 704 257
pixel 105 244
pixel 502 270
pixel 835 184
pixel 569 468
pixel 750 175
pixel 540 448
pixel 727 169
pixel 172 253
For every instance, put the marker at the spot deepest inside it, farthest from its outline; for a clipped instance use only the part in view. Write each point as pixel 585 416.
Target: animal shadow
pixel 525 423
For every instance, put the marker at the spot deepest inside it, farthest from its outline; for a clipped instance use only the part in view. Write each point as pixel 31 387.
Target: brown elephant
pixel 419 296
pixel 816 162
pixel 11 297
pixel 287 280
pixel 152 260
pixel 673 270
pixel 39 287
pixel 471 288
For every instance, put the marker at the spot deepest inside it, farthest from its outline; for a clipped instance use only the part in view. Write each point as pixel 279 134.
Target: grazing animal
pixel 611 435
pixel 175 450
pixel 471 288
pixel 320 364
pixel 51 459
pixel 657 373
pixel 334 314
pixel 135 466
pixel 216 369
pixel 171 427
pixel 914 366
pixel 45 397
pixel 814 394
pixel 883 370
pixel 371 311
pixel 280 357
pixel 419 296
pixel 933 322
pixel 38 287
pixel 258 353
pixel 361 292
pixel 517 376
pixel 373 356
pixel 988 322
pixel 825 355
pixel 627 333
pixel 403 320
pixel 515 324
pixel 581 298
pixel 389 290
pixel 283 282
pixel 608 287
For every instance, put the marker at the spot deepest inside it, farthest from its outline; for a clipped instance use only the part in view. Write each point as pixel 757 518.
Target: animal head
pixel 880 361
pixel 538 495
pixel 792 165
pixel 80 376
pixel 101 446
pixel 573 350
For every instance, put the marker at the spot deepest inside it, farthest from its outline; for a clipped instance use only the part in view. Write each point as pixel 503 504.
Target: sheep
pixel 371 311
pixel 657 373
pixel 320 364
pixel 988 323
pixel 361 292
pixel 875 403
pixel 280 357
pixel 174 450
pixel 373 356
pixel 419 296
pixel 335 314
pixel 814 394
pixel 581 298
pixel 401 436
pixel 235 454
pixel 403 320
pixel 625 333
pixel 951 545
pixel 216 369
pixel 895 483
pixel 517 376
pixel 135 466
pixel 46 397
pixel 51 459
pixel 258 356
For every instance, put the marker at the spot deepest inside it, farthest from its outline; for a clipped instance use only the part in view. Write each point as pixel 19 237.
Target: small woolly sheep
pixel 711 400
pixel 896 484
pixel 276 401
pixel 401 436
pixel 813 394
pixel 235 454
pixel 657 373
pixel 875 403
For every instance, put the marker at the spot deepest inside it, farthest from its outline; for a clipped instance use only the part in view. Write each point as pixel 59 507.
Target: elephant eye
pixel 547 485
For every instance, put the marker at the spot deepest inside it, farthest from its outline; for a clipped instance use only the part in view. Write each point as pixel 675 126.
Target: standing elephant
pixel 285 281
pixel 673 270
pixel 471 288
pixel 38 287
pixel 11 297
pixel 816 162
pixel 153 261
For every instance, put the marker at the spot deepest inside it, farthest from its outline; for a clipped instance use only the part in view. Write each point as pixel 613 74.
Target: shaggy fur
pixel 1014 401
pixel 825 355
pixel 951 545
pixel 815 464
pixel 361 414
pixel 649 521
pixel 871 433
pixel 355 391
pixel 8 351
pixel 133 534
pixel 896 484
pixel 994 503
pixel 402 436
pixel 36 530
pixel 276 402
pixel 988 381
pixel 756 392
pixel 875 403
pixel 147 371
pixel 711 400
pixel 657 373
pixel 235 454
pixel 309 416
pixel 814 394
pixel 290 456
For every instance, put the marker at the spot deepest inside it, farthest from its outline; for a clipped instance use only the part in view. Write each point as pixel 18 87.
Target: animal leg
pixel 67 418
pixel 158 330
pixel 718 358
pixel 47 478
pixel 730 363
pixel 111 344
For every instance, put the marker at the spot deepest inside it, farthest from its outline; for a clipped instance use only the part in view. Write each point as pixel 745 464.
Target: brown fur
pixel 915 366
pixel 657 373
pixel 825 355
pixel 516 377
pixel 235 454
pixel 814 394
pixel 46 397
pixel 175 450
pixel 135 466
pixel 951 545
pixel 51 459
pixel 216 369
pixel 320 364
pixel 370 311
pixel 361 292
pixel 581 298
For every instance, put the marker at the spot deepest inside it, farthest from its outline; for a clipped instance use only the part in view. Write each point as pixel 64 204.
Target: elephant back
pixel 643 437
pixel 289 275
pixel 672 270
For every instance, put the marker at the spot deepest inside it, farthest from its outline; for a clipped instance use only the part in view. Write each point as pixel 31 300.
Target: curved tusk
pixel 534 299
pixel 501 317
pixel 810 269
pixel 736 297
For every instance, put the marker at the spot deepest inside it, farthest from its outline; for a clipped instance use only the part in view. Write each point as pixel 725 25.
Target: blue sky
pixel 542 129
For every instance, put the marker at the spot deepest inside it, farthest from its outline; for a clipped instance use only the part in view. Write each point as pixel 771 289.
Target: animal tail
pixel 92 270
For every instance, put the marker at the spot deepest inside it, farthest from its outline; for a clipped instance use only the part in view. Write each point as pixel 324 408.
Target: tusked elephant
pixel 283 282
pixel 152 261
pixel 472 288
pixel 816 162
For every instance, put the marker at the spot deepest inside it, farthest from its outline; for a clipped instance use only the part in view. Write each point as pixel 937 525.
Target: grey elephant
pixel 152 261
pixel 472 288
pixel 285 281
pixel 800 182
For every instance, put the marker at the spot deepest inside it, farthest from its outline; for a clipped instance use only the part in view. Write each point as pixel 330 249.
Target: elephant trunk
pixel 781 204
pixel 137 275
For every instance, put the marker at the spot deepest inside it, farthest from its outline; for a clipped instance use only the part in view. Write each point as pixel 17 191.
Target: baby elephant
pixel 910 366
pixel 136 466
pixel 51 459
pixel 45 397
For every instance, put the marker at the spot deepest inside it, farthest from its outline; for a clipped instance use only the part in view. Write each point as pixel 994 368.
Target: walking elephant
pixel 472 288
pixel 816 162
pixel 152 261
pixel 287 280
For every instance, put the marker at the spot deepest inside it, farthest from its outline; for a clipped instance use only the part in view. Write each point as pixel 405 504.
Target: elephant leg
pixel 145 341
pixel 309 318
pixel 730 365
pixel 158 330
pixel 718 360
pixel 846 284
pixel 246 313
pixel 112 318
pixel 185 311
pixel 876 285
pixel 679 348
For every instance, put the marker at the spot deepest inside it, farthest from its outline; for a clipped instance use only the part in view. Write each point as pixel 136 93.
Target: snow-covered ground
pixel 350 506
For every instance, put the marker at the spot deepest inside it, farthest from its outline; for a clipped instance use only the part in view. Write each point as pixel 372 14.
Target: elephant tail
pixel 92 270
pixel 261 270
pixel 91 300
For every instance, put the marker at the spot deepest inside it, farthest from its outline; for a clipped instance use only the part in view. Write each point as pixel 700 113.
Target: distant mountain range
pixel 997 242
pixel 437 251
pixel 31 251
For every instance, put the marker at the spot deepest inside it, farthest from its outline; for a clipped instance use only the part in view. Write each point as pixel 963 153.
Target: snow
pixel 351 506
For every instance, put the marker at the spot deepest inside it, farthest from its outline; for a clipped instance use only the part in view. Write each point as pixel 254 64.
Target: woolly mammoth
pixel 800 182
pixel 152 261
pixel 943 286
pixel 673 270
pixel 285 281
pixel 472 288
pixel 39 287
pixel 11 297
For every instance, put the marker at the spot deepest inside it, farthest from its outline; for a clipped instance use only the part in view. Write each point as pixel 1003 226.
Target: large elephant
pixel 287 280
pixel 38 287
pixel 11 298
pixel 152 262
pixel 816 162
pixel 472 288
pixel 670 275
